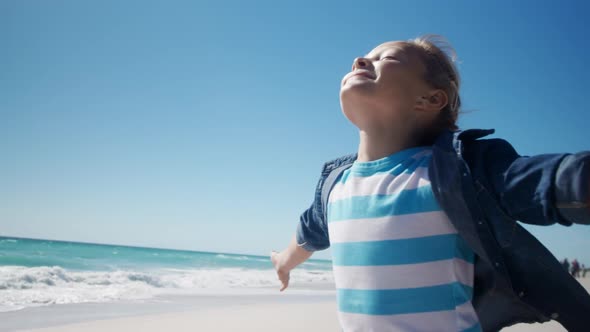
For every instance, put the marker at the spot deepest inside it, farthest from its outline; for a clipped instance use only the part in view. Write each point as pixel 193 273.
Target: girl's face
pixel 383 87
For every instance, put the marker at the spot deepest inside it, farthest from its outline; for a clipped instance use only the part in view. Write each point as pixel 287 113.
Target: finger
pixel 285 281
pixel 273 260
pixel 273 256
pixel 285 285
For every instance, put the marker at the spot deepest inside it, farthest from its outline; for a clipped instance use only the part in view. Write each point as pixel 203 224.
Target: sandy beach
pixel 272 312
pixel 320 316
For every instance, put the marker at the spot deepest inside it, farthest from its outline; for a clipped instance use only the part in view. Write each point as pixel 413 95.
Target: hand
pixel 283 275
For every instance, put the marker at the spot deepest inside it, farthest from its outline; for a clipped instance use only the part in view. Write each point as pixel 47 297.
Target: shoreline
pixel 57 316
pixel 284 316
pixel 293 310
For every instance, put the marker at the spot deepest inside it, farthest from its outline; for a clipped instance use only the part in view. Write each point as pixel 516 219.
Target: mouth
pixel 359 73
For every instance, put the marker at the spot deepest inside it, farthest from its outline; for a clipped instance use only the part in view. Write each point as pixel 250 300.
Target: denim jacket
pixel 484 187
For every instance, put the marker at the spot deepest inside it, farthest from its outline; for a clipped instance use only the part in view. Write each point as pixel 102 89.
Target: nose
pixel 361 63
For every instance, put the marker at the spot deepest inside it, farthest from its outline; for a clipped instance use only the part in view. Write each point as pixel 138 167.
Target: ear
pixel 434 101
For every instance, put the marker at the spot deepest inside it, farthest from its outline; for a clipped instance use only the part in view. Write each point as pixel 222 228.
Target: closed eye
pixel 389 57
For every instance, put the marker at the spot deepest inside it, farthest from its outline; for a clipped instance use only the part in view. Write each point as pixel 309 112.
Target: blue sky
pixel 204 124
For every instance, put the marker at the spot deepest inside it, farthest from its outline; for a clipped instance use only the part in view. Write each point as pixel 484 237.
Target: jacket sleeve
pixel 542 189
pixel 311 233
pixel 572 188
pixel 312 230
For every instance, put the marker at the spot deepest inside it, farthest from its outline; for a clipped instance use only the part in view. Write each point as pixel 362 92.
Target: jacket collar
pixel 451 141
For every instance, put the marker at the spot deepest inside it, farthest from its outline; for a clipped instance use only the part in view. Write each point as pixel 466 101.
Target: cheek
pixel 397 97
pixel 399 84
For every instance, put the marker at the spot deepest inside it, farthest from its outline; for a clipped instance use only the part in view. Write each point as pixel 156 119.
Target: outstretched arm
pixel 287 260
pixel 542 189
pixel 311 236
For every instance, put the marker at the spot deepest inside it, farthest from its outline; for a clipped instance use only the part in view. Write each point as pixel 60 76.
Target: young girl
pixel 422 220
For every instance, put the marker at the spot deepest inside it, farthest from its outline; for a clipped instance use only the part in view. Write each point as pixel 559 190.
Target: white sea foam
pixel 238 258
pixel 244 258
pixel 22 287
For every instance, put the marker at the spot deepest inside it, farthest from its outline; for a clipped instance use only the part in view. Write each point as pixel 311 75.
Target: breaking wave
pixel 22 287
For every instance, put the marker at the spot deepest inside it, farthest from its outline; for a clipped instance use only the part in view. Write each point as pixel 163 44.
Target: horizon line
pixel 142 247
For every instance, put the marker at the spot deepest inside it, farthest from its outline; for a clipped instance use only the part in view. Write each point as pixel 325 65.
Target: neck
pixel 377 145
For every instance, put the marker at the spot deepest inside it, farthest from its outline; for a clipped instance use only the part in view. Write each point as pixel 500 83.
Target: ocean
pixel 36 272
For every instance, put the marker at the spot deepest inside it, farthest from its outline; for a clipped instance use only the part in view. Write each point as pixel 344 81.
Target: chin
pixel 357 114
pixel 352 118
pixel 357 87
pixel 355 97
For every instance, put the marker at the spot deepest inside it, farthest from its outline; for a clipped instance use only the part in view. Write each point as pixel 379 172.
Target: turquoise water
pixel 44 272
pixel 96 257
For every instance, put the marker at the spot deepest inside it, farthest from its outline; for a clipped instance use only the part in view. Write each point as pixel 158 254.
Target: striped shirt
pixel 399 264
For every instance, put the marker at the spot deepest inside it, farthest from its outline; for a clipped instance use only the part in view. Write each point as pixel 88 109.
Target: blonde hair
pixel 439 58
